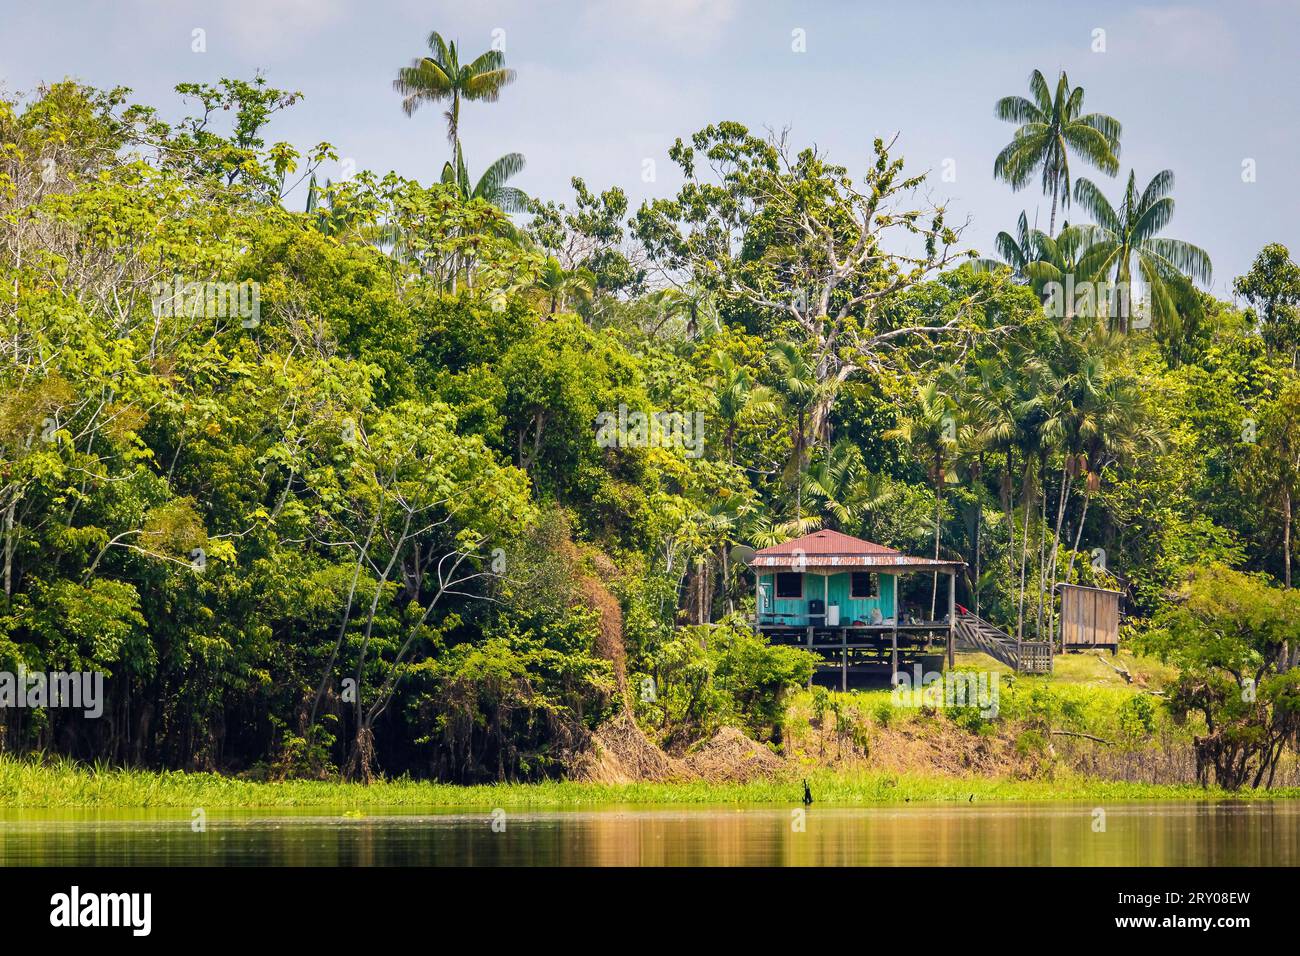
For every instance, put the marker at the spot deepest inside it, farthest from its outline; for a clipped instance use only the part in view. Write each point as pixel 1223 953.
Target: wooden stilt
pixel 844 660
pixel 893 647
pixel 952 616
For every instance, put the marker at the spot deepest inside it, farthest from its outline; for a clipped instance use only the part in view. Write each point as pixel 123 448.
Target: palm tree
pixel 1058 262
pixel 1104 423
pixel 797 381
pixel 771 525
pixel 1051 126
pixel 975 388
pixel 1012 399
pixel 559 286
pixel 932 432
pixel 1018 251
pixel 846 491
pixel 440 77
pixel 320 216
pixel 1069 385
pixel 721 521
pixel 1087 409
pixel 1110 426
pixel 1126 236
pixel 740 399
pixel 491 186
pixel 1037 259
pixel 693 302
pixel 997 388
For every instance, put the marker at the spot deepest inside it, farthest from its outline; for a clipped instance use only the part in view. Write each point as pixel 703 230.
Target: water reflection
pixel 1183 834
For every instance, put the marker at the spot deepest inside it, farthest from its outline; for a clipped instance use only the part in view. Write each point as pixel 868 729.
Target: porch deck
pixel 877 649
pixel 856 634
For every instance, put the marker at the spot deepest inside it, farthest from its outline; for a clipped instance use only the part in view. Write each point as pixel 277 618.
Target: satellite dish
pixel 742 554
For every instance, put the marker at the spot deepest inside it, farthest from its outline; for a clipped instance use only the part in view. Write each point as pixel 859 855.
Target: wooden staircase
pixel 1029 657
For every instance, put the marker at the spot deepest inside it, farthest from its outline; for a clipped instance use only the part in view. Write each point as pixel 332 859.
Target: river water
pixel 1003 834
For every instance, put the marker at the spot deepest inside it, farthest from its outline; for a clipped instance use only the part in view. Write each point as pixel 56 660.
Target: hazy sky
pixel 605 84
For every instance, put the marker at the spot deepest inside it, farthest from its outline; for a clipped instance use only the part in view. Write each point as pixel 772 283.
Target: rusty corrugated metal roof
pixel 833 549
pixel 848 561
pixel 827 542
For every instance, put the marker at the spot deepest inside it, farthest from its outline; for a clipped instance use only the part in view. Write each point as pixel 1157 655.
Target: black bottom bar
pixel 467 907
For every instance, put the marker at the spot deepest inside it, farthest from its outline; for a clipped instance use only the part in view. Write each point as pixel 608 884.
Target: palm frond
pixel 1017 161
pixel 487 86
pixel 487 62
pixel 1108 126
pixel 422 80
pixel 495 176
pixel 1161 185
pixel 1042 94
pixel 1152 219
pixel 1183 256
pixel 446 55
pixel 511 199
pixel 1087 195
pixel 1093 146
pixel 1017 109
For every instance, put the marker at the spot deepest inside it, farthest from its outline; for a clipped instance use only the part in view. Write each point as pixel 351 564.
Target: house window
pixel 862 585
pixel 789 585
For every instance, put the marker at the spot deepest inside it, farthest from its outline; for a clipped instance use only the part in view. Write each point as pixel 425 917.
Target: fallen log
pixel 1075 733
pixel 1119 669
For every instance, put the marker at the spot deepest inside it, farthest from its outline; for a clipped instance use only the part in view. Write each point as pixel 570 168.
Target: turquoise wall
pixel 794 611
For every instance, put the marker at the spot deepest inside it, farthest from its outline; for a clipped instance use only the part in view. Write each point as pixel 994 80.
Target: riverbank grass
pixel 27 784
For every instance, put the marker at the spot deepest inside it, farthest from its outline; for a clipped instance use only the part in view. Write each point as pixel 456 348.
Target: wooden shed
pixel 1089 617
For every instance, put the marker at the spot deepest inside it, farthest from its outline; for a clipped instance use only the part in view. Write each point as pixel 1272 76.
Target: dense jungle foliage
pixel 320 491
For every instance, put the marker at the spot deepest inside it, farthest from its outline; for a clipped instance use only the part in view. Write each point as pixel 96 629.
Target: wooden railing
pixel 1031 657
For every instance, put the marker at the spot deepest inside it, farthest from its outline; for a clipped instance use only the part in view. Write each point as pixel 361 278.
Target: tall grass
pixel 59 783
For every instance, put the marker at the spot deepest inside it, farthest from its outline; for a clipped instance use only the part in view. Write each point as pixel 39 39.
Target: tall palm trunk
pixel 1008 506
pixel 1042 547
pixel 1062 499
pixel 1078 536
pixel 9 541
pixel 1033 493
pixel 1289 653
pixel 1042 563
pixel 725 564
pixel 1027 505
pixel 1051 225
pixel 1286 537
pixel 938 518
pixel 979 521
pixel 798 465
pixel 1124 281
